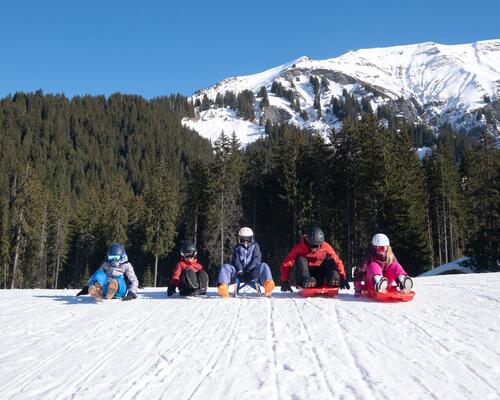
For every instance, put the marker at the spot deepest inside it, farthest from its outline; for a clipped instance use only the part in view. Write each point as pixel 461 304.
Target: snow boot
pixel 309 282
pixel 95 290
pixel 268 287
pixel 334 282
pixel 380 283
pixel 112 288
pixel 223 290
pixel 405 283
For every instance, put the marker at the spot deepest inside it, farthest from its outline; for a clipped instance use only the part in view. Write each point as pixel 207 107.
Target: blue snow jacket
pixel 246 259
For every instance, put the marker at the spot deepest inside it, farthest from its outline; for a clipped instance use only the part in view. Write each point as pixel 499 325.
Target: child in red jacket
pixel 315 262
pixel 188 274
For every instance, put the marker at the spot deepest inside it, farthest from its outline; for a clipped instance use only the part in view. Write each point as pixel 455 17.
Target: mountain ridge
pixel 426 83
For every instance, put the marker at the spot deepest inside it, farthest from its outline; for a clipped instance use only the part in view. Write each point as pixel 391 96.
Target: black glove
pixel 84 291
pixel 171 290
pixel 344 284
pixel 130 296
pixel 285 287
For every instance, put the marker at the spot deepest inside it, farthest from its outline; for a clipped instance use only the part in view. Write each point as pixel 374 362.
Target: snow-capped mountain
pixel 425 83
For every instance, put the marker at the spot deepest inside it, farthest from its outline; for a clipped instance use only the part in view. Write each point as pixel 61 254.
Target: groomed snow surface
pixel 443 345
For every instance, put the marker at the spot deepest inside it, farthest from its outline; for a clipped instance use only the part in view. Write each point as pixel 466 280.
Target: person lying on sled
pixel 109 280
pixel 316 264
pixel 380 268
pixel 246 264
pixel 188 274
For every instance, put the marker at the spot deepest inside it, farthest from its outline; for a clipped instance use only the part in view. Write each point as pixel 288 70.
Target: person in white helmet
pixel 246 264
pixel 380 268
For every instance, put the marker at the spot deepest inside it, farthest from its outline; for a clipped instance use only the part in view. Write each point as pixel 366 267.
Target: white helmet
pixel 380 240
pixel 245 234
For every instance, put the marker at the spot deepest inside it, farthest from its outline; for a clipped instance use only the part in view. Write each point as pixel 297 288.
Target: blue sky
pixel 155 48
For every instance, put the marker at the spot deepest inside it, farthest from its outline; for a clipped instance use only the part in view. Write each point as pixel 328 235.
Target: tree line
pixel 79 174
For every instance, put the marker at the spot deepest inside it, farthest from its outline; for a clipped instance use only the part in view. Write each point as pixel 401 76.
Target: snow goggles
pixel 245 239
pixel 188 255
pixel 114 257
pixel 380 249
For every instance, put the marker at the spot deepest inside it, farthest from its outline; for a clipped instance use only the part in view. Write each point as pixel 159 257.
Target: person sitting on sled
pixel 109 280
pixel 188 275
pixel 246 264
pixel 316 264
pixel 380 268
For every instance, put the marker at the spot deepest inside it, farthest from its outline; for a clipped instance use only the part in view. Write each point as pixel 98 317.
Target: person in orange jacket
pixel 316 264
pixel 188 274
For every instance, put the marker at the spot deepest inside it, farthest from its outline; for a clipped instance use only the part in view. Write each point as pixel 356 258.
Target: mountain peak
pixel 428 83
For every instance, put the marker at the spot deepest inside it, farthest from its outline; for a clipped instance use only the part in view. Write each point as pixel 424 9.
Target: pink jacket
pixel 372 257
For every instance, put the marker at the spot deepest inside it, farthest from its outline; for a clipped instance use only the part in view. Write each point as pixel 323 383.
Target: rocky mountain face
pixel 428 84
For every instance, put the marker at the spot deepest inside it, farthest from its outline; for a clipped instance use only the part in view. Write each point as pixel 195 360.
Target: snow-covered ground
pixel 443 345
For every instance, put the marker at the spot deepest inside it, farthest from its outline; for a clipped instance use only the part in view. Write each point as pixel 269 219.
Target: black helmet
pixel 315 237
pixel 188 249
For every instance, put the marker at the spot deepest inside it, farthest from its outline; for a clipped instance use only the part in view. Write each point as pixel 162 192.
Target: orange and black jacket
pixel 182 265
pixel 314 257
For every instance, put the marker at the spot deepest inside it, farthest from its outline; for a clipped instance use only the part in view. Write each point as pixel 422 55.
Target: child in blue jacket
pixel 246 264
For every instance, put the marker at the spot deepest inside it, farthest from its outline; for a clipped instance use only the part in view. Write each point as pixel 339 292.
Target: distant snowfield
pixel 443 345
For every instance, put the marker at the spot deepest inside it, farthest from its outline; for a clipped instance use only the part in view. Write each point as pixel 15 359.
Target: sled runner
pixel 246 287
pixel 319 291
pixel 391 295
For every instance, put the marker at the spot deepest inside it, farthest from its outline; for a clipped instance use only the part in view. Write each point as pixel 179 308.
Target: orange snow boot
pixel 223 290
pixel 112 288
pixel 95 291
pixel 268 288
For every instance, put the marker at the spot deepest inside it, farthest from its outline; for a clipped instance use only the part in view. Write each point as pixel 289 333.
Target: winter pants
pixel 101 278
pixel 324 274
pixel 391 273
pixel 192 283
pixel 227 274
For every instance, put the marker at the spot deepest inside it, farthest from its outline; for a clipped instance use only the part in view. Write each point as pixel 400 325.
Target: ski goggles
pixel 188 255
pixel 243 239
pixel 380 249
pixel 114 257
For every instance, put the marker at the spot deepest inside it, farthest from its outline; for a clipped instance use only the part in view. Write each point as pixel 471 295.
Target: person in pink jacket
pixel 380 268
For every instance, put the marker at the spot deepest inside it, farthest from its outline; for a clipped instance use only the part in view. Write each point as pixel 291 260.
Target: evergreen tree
pixel 147 277
pixel 161 200
pixel 482 186
pixel 264 96
pixel 245 105
pixel 224 198
pixel 206 103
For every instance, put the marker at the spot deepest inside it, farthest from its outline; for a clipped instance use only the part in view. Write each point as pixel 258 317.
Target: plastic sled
pixel 319 291
pixel 391 295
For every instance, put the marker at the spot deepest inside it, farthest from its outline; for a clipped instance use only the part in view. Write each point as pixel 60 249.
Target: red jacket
pixel 182 265
pixel 314 257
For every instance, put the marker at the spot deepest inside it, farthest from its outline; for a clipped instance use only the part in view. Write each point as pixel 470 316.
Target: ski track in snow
pixel 443 344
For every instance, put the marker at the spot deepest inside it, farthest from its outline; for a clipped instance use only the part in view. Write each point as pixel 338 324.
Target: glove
pixel 343 283
pixel 171 290
pixel 84 291
pixel 285 287
pixel 130 296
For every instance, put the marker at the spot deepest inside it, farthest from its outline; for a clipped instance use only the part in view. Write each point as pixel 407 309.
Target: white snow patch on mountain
pixel 447 83
pixel 443 344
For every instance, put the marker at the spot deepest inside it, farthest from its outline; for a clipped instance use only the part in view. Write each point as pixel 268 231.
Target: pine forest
pixel 79 174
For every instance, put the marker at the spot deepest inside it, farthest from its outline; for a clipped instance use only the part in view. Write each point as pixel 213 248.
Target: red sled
pixel 391 295
pixel 319 291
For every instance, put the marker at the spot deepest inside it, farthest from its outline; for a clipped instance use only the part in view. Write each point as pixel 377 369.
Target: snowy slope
pixel 438 83
pixel 443 345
